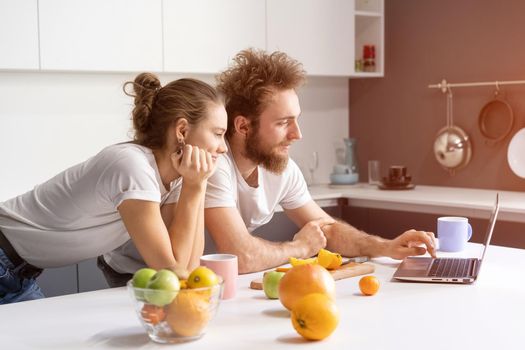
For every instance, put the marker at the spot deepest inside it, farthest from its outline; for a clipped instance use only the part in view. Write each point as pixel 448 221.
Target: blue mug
pixel 453 233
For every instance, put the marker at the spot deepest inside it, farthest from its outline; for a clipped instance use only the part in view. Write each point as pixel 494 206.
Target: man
pixel 256 175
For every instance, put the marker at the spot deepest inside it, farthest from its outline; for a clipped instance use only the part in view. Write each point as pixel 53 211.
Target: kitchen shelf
pixel 369 6
pixel 369 30
pixel 368 14
pixel 367 74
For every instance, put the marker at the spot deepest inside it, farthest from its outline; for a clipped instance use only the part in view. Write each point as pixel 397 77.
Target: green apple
pixel 140 280
pixel 162 288
pixel 141 277
pixel 271 281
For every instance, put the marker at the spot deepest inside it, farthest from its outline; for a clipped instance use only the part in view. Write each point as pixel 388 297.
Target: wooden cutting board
pixel 350 269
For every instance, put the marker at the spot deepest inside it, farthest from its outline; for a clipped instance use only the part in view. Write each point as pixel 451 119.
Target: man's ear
pixel 241 125
pixel 181 129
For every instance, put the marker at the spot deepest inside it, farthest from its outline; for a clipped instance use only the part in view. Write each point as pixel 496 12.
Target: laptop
pixel 446 270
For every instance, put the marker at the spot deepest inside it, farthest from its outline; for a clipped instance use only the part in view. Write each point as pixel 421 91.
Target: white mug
pixel 453 233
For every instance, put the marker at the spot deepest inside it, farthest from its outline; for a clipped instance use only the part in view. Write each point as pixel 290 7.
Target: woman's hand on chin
pixel 195 165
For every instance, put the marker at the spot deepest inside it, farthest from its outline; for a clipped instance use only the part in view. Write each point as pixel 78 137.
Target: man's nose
pixel 295 132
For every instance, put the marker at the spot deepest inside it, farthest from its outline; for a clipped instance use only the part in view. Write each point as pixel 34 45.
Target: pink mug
pixel 226 266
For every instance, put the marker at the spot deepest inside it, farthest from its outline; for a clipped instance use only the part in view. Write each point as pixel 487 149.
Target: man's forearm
pixel 259 254
pixel 349 241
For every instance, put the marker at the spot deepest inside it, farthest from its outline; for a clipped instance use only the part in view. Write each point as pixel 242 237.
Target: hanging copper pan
pixel 496 119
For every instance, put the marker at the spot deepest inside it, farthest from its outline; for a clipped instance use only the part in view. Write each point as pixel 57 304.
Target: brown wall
pixel 396 118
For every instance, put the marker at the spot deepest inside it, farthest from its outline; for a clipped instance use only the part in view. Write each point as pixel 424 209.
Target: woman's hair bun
pixel 145 88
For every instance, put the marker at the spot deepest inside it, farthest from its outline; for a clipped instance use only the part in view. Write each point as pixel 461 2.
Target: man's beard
pixel 268 159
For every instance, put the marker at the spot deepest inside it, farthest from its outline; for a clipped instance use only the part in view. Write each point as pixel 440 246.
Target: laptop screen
pixel 490 228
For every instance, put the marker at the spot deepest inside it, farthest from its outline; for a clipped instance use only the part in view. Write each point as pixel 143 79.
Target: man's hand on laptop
pixel 410 243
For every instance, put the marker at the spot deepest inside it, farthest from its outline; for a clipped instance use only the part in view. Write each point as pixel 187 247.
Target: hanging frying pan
pixel 496 119
pixel 452 147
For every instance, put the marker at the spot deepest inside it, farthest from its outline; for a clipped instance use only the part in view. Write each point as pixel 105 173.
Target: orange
pixel 296 262
pixel 337 260
pixel 188 314
pixel 202 277
pixel 315 316
pixel 369 285
pixel 302 280
pixel 152 314
pixel 329 260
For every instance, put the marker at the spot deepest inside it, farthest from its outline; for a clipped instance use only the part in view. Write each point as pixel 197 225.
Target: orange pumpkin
pixel 302 280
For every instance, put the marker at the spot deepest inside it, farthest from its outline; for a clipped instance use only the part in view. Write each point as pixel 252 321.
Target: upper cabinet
pixel 316 32
pixel 101 35
pixel 330 37
pixel 18 34
pixel 202 36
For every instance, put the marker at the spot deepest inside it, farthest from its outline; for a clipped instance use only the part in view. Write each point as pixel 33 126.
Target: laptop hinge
pixel 474 269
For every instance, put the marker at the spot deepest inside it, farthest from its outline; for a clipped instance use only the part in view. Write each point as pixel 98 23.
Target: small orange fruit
pixel 202 277
pixel 369 285
pixel 188 314
pixel 183 284
pixel 315 316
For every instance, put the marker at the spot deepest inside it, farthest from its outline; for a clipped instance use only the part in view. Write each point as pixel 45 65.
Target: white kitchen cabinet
pixel 318 33
pixel 201 36
pixel 101 35
pixel 18 34
pixel 327 36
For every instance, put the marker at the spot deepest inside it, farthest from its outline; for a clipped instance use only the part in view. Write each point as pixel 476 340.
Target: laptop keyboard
pixel 451 267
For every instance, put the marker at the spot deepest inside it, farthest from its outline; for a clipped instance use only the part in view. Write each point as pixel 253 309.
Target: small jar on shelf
pixel 369 58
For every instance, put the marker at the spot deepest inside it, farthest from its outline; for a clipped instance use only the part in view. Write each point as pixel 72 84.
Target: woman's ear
pixel 181 129
pixel 241 125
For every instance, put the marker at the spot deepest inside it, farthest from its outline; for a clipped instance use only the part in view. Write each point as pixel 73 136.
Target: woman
pixel 126 190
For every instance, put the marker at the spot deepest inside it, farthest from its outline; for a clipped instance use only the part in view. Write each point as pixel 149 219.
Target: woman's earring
pixel 180 146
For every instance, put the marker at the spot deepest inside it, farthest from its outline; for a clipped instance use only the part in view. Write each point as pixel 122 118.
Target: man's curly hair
pixel 251 81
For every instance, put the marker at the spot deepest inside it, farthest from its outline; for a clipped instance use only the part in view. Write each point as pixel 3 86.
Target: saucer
pixel 390 186
pixel 344 179
pixel 388 182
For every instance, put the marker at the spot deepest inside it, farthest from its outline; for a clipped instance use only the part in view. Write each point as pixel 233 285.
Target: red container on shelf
pixel 369 58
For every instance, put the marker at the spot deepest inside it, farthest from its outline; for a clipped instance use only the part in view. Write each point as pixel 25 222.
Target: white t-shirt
pixel 73 216
pixel 227 188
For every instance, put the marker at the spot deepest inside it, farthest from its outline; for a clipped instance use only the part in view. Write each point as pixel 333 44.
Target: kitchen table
pixel 488 314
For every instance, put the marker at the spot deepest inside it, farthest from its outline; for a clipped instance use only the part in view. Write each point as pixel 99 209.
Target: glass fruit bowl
pixel 175 316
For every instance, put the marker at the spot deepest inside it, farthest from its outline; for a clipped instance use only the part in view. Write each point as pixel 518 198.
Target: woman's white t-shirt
pixel 74 216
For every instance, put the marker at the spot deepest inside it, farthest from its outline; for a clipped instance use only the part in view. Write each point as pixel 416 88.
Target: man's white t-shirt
pixel 227 188
pixel 74 216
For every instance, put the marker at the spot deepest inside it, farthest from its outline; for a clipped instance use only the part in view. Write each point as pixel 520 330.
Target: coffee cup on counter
pixel 453 233
pixel 398 174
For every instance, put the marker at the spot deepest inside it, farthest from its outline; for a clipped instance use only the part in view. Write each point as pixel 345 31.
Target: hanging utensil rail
pixel 444 85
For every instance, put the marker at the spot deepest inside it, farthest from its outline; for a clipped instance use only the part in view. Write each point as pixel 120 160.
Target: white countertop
pixel 485 315
pixel 469 202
